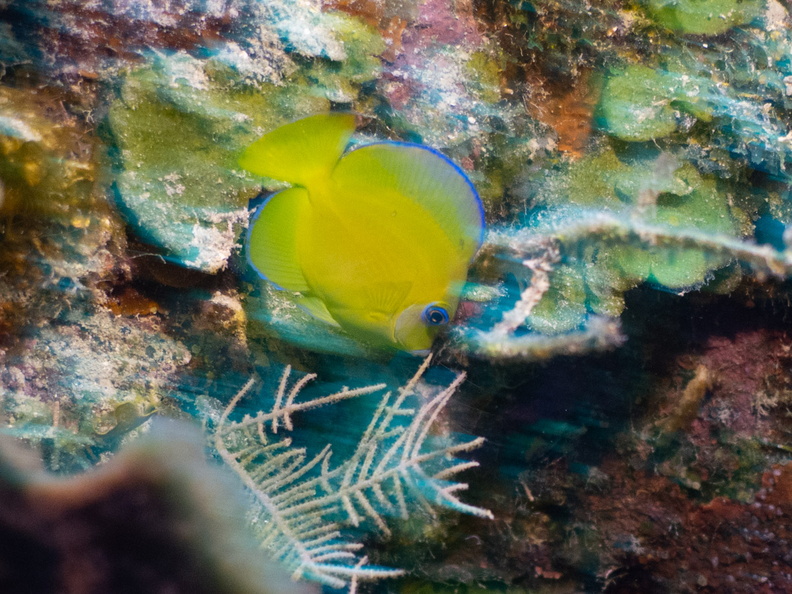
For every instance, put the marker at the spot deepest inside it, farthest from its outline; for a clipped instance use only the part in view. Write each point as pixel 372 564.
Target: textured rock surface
pixel 157 518
pixel 633 160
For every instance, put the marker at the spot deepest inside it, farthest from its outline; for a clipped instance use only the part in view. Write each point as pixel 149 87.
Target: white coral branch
pixel 304 504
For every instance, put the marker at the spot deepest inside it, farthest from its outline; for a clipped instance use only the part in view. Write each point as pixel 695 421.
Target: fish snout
pixel 410 331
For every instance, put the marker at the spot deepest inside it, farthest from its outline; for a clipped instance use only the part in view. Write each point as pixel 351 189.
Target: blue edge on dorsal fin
pixel 454 166
pixel 260 208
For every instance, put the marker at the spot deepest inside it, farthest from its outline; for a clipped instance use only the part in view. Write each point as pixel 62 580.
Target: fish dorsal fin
pixel 317 308
pixel 426 177
pixel 387 296
pixel 272 239
pixel 303 151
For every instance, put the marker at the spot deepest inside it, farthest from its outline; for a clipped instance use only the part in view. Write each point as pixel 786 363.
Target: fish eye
pixel 434 315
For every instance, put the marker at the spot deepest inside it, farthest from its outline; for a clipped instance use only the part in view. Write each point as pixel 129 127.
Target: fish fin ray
pixel 317 308
pixel 303 151
pixel 387 297
pixel 425 176
pixel 272 239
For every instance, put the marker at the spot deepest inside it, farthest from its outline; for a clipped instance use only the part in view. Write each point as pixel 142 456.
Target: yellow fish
pixel 376 241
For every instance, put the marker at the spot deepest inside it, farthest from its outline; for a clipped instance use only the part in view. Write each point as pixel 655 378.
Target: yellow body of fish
pixel 376 241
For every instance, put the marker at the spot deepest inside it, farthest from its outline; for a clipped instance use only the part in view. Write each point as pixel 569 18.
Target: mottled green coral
pixel 655 191
pixel 703 17
pixel 641 103
pixel 180 122
pixel 179 125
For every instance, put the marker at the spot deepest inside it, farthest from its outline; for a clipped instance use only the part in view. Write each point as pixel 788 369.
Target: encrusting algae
pixel 633 163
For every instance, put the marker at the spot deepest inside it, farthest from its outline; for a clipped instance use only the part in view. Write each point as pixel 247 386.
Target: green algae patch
pixel 662 192
pixel 485 69
pixel 635 105
pixel 639 214
pixel 720 105
pixel 697 206
pixel 179 125
pixel 703 17
pixel 563 307
pixel 639 103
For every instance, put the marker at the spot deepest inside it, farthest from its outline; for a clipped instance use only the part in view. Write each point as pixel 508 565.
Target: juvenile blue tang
pixel 376 241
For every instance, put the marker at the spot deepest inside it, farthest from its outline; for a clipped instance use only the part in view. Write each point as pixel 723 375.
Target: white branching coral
pixel 302 504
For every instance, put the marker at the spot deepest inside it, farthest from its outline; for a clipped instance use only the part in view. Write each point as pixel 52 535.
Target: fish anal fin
pixel 317 308
pixel 301 152
pixel 272 239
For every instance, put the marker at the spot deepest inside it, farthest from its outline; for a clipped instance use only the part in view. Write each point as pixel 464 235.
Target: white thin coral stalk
pixel 303 513
pixel 284 412
pixel 614 229
pixel 540 266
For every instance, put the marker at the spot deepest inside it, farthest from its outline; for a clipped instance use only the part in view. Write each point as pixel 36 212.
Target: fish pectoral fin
pixel 387 297
pixel 317 308
pixel 272 239
pixel 302 151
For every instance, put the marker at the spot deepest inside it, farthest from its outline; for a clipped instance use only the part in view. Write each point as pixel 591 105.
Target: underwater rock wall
pixel 623 425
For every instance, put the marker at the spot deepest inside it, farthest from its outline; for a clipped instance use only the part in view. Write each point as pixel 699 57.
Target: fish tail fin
pixel 303 151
